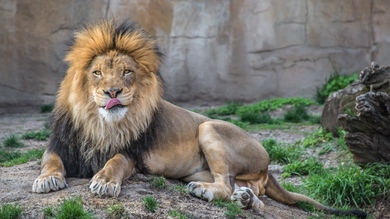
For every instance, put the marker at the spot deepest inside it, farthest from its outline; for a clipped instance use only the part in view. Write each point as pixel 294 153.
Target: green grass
pixel 281 153
pixel 10 211
pixel 310 165
pixel 318 137
pixel 42 135
pixel 180 214
pixel 296 115
pixel 150 204
pixel 159 182
pixel 180 188
pixel 229 109
pixel 72 209
pixel 219 203
pixel 233 210
pixel 48 213
pixel 117 211
pixel 14 158
pixel 334 83
pixel 12 141
pixel 6 155
pixel 349 184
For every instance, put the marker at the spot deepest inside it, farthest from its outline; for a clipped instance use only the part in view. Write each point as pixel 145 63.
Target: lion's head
pixel 112 86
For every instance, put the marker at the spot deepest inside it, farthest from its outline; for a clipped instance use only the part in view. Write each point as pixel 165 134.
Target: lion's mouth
pixel 113 103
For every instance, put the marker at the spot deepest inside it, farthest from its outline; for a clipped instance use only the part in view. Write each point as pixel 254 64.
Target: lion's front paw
pixel 200 190
pixel 245 198
pixel 103 185
pixel 46 183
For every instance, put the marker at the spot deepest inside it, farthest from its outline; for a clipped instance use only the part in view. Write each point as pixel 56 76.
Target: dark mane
pixel 65 141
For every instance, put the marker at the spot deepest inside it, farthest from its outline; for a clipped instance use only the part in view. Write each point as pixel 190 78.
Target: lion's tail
pixel 275 191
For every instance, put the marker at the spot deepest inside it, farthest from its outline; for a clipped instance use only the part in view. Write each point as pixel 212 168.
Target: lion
pixel 110 119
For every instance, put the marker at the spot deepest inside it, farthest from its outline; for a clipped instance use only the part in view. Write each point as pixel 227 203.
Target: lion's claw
pixel 45 184
pixel 100 186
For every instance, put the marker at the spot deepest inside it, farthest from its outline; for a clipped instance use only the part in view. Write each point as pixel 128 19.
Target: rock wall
pixel 215 50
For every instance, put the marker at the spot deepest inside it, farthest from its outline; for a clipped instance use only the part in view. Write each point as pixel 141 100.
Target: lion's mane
pixel 80 136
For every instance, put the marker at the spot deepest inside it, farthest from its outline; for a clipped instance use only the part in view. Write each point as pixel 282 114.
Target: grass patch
pixel 9 211
pixel 229 109
pixel 318 137
pixel 72 208
pixel 12 141
pixel 310 165
pixel 334 83
pixel 42 135
pixel 150 204
pixel 8 155
pixel 117 211
pixel 180 214
pixel 232 210
pixel 281 153
pixel 48 213
pixel 296 115
pixel 14 158
pixel 219 203
pixel 180 187
pixel 159 182
pixel 349 184
pixel 257 113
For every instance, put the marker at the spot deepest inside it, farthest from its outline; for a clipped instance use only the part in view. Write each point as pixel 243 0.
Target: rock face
pixel 214 50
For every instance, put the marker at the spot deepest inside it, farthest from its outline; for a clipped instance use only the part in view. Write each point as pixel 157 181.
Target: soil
pixel 16 182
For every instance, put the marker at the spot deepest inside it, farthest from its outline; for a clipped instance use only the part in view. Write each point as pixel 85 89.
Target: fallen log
pixel 368 136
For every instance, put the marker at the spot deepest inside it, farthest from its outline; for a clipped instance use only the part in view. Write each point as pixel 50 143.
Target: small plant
pixel 297 114
pixel 72 208
pixel 311 165
pixel 9 211
pixel 48 213
pixel 256 118
pixel 219 203
pixel 181 188
pixel 117 211
pixel 12 141
pixel 321 136
pixel 179 214
pixel 334 83
pixel 280 153
pixel 42 135
pixel 47 108
pixel 159 182
pixel 232 210
pixel 150 204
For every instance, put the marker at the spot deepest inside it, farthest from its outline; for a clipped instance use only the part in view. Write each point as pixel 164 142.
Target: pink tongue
pixel 113 102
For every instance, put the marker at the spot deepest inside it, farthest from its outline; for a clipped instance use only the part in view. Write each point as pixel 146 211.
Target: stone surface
pixel 214 50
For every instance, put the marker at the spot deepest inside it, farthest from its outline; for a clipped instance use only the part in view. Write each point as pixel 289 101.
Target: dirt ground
pixel 16 182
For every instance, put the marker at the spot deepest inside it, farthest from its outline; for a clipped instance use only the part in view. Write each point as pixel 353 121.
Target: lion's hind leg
pixel 52 177
pixel 229 152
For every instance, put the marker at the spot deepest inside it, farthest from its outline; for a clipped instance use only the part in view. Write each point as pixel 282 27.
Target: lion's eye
pixel 97 73
pixel 127 72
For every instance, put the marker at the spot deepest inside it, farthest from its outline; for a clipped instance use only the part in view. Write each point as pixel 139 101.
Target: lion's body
pixel 110 119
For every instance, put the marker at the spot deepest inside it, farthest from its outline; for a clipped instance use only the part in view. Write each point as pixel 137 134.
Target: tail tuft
pixel 355 213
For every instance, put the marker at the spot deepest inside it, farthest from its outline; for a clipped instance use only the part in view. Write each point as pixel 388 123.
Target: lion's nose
pixel 113 92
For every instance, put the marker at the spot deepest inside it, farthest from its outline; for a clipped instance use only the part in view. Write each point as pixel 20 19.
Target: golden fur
pixel 110 119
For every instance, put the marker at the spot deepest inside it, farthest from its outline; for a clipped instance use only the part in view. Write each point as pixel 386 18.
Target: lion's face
pixel 113 84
